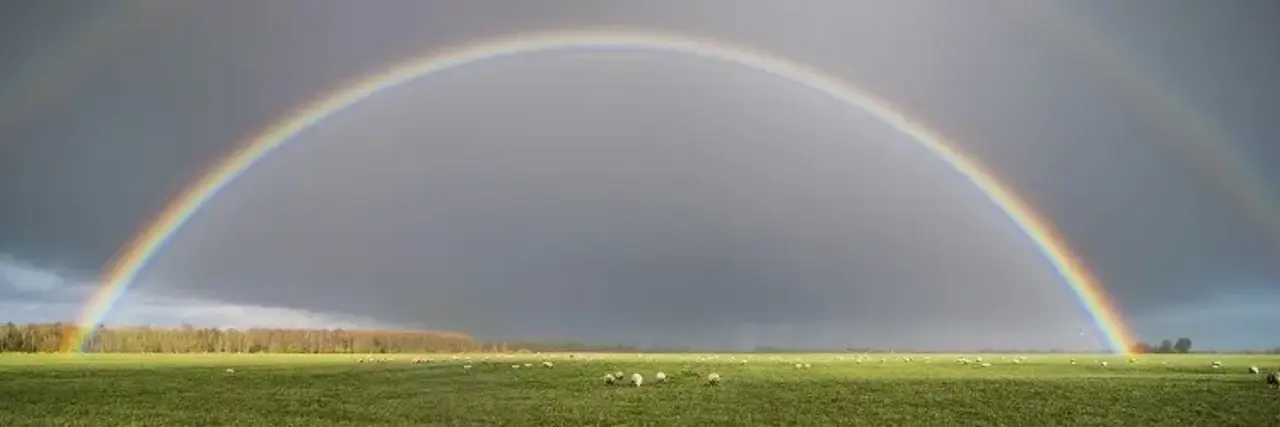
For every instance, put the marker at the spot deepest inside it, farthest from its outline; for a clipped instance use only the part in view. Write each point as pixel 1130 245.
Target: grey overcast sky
pixel 651 197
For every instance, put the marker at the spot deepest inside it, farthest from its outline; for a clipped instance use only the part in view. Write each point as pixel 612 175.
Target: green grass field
pixel 766 390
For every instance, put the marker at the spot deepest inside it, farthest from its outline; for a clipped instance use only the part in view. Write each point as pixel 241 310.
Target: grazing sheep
pixel 467 367
pixel 714 378
pixel 618 375
pixel 548 364
pixel 231 371
pixel 1133 360
pixel 1103 363
pixel 528 365
pixel 515 366
pixel 609 379
pixel 1073 361
pixel 1253 370
pixel 798 366
pixel 1216 364
pixel 1273 379
pixel 807 366
pixel 660 377
pixel 637 379
pixel 986 364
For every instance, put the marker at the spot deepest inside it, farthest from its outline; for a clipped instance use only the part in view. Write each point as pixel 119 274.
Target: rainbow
pixel 125 267
pixel 1200 140
pixel 44 78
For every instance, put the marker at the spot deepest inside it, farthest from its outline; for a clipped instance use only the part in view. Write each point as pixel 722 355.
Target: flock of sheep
pixel 636 379
pixel 661 377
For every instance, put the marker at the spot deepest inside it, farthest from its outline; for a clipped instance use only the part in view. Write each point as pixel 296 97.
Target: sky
pixel 650 197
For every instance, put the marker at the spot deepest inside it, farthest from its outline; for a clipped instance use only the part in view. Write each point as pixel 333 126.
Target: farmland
pixel 756 389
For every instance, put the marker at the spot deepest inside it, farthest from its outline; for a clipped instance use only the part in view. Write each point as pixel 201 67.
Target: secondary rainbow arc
pixel 132 259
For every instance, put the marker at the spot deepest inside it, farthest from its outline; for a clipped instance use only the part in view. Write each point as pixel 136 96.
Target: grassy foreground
pixel 766 390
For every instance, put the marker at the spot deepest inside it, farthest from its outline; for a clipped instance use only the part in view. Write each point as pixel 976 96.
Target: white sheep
pixel 515 366
pixel 637 379
pixel 1273 379
pixel 528 365
pixel 798 366
pixel 231 371
pixel 660 377
pixel 1253 370
pixel 713 378
pixel 1073 361
pixel 548 364
pixel 618 375
pixel 467 367
pixel 986 364
pixel 807 366
pixel 1216 364
pixel 1103 363
pixel 609 379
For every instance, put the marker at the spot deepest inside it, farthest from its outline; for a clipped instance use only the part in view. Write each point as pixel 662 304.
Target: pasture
pixel 755 390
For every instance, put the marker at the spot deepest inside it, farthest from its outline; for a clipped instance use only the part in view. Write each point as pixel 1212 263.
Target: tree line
pixel 54 337
pixel 1182 345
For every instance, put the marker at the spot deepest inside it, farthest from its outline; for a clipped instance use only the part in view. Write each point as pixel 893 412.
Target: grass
pixel 334 390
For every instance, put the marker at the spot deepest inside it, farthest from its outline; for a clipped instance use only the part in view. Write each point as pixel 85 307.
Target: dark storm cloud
pixel 539 197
